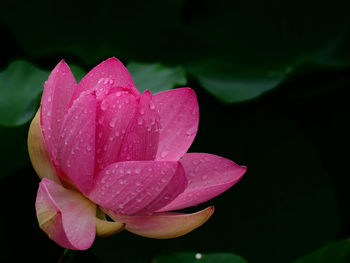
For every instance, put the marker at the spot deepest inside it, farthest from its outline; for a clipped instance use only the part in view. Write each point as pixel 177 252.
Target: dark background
pixel 272 80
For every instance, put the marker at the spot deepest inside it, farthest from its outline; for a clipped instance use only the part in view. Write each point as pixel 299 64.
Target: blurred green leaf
pixel 191 257
pixel 20 84
pixel 13 154
pixel 156 77
pixel 77 71
pixel 255 45
pixel 337 252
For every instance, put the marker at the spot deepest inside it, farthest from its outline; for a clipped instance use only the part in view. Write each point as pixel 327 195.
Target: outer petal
pixel 113 117
pixel 164 225
pixel 138 187
pixel 141 139
pixel 76 151
pixel 54 105
pixel 179 116
pixel 37 151
pixel 208 176
pixel 111 68
pixel 66 217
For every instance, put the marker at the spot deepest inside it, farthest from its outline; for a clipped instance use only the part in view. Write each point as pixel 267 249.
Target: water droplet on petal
pixel 138 170
pixel 164 153
pixel 112 123
pixel 191 131
pixel 151 105
pixel 139 121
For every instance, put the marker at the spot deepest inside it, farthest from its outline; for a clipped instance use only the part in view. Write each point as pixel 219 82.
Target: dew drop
pixel 100 120
pixel 164 180
pixel 163 154
pixel 151 105
pixel 103 106
pixel 142 111
pixel 128 171
pixel 49 99
pixel 139 121
pixel 204 177
pixel 138 170
pixel 112 123
pixel 198 256
pixel 191 131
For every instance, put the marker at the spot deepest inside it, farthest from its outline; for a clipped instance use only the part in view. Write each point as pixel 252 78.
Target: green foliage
pixel 156 77
pixel 20 84
pixel 337 252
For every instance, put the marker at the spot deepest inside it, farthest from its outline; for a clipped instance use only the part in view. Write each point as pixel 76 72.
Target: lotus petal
pixel 208 176
pixel 37 151
pixel 141 139
pixel 65 216
pixel 138 187
pixel 111 68
pixel 54 105
pixel 76 148
pixel 179 116
pixel 164 225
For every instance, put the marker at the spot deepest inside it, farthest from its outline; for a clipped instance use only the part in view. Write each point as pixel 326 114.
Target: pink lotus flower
pixel 102 147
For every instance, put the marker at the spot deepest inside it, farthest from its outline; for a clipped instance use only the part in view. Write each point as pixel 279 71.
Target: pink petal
pixel 164 225
pixel 111 68
pixel 65 216
pixel 179 116
pixel 141 140
pixel 54 105
pixel 208 176
pixel 113 117
pixel 76 148
pixel 138 187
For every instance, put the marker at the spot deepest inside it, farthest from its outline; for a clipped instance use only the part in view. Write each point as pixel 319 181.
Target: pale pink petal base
pixel 208 176
pixel 37 151
pixel 179 116
pixel 106 228
pixel 65 216
pixel 164 225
